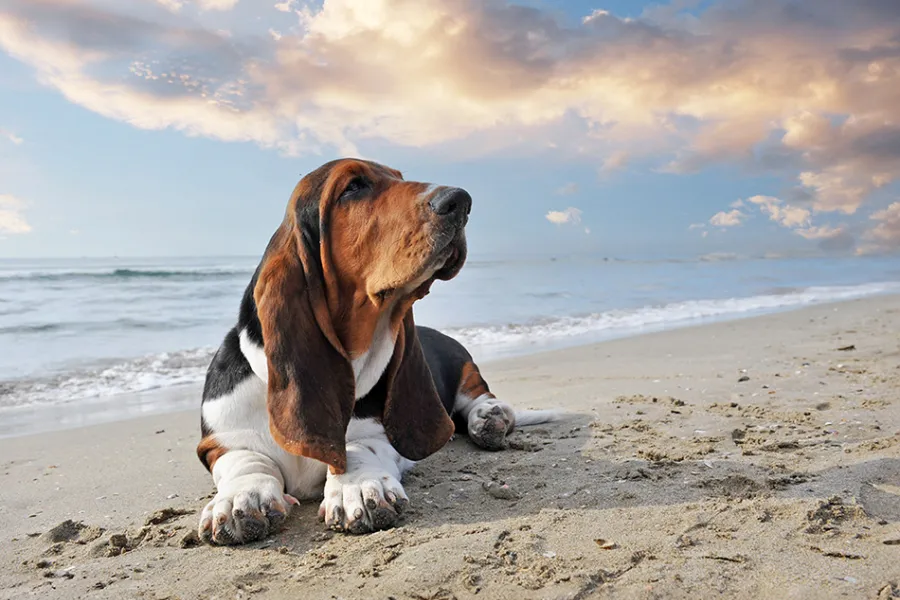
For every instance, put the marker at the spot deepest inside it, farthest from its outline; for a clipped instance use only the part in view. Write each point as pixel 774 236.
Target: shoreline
pixel 747 458
pixel 47 418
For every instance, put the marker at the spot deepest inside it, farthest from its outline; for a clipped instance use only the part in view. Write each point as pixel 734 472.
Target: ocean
pixel 92 340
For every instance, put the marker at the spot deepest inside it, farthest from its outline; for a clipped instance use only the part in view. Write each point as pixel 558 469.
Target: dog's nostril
pixel 451 201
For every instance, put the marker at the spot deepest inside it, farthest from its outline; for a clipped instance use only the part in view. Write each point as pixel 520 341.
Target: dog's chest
pixel 370 365
pixel 367 367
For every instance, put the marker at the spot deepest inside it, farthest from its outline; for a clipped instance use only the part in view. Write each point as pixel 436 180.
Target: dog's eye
pixel 356 185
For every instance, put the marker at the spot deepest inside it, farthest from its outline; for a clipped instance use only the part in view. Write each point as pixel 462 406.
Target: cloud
pixel 885 235
pixel 158 96
pixel 842 240
pixel 569 215
pixel 176 5
pixel 799 220
pixel 819 233
pixel 568 189
pixel 615 161
pixel 172 5
pixel 11 218
pixel 836 191
pixel 11 137
pixel 217 4
pixel 595 14
pixel 783 214
pixel 727 219
pixel 795 218
pixel 808 90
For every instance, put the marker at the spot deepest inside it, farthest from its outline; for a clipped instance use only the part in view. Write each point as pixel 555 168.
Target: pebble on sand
pixel 502 492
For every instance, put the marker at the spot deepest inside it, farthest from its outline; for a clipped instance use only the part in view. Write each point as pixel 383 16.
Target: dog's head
pixel 357 247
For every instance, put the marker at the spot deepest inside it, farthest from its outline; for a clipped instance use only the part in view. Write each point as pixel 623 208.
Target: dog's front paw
pixel 489 423
pixel 245 510
pixel 362 501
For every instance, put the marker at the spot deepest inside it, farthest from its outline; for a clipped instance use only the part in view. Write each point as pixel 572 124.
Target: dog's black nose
pixel 451 202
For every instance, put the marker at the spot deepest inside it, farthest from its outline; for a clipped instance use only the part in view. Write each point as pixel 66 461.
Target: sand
pixel 748 459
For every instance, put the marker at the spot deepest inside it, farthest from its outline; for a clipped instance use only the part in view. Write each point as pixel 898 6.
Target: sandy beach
pixel 757 458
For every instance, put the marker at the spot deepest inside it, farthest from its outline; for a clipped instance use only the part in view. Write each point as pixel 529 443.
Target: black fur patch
pixel 247 317
pixel 445 357
pixel 228 368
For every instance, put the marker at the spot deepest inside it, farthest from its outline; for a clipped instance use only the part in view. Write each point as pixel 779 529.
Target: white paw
pixel 489 422
pixel 245 509
pixel 362 501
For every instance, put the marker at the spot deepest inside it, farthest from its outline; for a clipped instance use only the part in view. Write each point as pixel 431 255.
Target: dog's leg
pixel 250 502
pixel 369 496
pixel 249 469
pixel 489 420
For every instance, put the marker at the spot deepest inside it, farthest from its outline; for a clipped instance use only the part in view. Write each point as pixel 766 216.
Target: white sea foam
pixel 133 376
pixel 520 338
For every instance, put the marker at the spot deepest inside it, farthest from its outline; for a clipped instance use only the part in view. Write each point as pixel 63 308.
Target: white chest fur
pixel 255 355
pixel 370 365
pixel 367 367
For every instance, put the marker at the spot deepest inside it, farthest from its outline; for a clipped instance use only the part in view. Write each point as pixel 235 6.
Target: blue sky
pixel 179 127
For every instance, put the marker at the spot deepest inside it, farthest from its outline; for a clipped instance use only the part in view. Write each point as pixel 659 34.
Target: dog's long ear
pixel 311 384
pixel 414 419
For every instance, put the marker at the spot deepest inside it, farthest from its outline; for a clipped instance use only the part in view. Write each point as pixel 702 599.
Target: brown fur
pixel 310 389
pixel 471 383
pixel 374 245
pixel 414 419
pixel 209 451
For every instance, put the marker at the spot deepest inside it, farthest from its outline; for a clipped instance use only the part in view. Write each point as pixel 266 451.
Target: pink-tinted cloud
pixel 11 137
pixel 177 5
pixel 12 218
pixel 795 218
pixel 885 235
pixel 561 217
pixel 567 189
pixel 783 214
pixel 731 218
pixel 616 161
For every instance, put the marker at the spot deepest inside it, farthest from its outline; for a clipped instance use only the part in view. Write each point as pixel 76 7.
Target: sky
pixel 618 127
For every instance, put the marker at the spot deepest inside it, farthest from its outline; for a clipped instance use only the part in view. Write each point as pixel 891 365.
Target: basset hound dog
pixel 326 379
